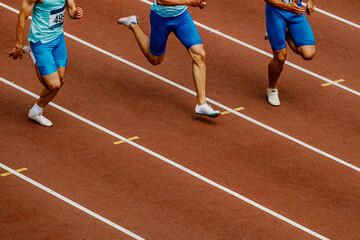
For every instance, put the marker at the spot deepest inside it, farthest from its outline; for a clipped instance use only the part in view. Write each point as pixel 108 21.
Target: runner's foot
pixel 273 97
pixel 206 110
pixel 128 20
pixel 39 118
pixel 28 51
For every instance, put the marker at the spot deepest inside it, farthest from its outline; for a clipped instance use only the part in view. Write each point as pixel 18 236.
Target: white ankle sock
pixel 35 109
pixel 202 105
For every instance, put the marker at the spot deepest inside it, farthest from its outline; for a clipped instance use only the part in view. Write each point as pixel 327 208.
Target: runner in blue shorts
pixel 169 16
pixel 47 47
pixel 286 22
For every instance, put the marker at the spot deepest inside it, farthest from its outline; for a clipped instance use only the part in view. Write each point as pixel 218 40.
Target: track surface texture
pixel 140 191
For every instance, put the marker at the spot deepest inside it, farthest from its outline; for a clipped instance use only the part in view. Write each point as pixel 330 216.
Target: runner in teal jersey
pixel 48 49
pixel 171 16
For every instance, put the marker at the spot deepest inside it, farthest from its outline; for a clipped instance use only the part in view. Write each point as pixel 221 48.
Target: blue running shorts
pixel 50 56
pixel 183 27
pixel 277 20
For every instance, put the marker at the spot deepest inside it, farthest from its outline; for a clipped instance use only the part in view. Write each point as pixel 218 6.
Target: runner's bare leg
pixel 198 55
pixel 144 44
pixel 52 84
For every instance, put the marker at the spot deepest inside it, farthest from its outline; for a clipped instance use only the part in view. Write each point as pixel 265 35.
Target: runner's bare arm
pixel 192 3
pixel 26 9
pixel 290 7
pixel 73 11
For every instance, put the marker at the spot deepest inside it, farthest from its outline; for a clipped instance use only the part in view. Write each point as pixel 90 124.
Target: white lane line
pixel 72 203
pixel 336 17
pixel 316 9
pixel 270 55
pixel 214 102
pixel 202 178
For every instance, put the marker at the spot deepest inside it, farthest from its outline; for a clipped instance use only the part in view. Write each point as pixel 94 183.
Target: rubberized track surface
pixel 152 198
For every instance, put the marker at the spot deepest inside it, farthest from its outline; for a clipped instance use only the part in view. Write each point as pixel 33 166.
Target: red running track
pixel 152 198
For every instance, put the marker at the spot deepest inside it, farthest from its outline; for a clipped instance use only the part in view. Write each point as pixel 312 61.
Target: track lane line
pixel 245 45
pixel 213 101
pixel 183 89
pixel 270 55
pixel 335 17
pixel 216 103
pixel 316 9
pixel 17 170
pixel 156 155
pixel 72 203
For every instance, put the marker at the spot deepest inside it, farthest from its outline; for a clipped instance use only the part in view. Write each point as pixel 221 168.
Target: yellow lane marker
pixel 132 138
pixel 328 84
pixel 236 109
pixel 9 173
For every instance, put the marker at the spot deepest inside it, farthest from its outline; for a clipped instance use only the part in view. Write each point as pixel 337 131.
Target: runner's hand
pixel 197 3
pixel 78 13
pixel 202 4
pixel 16 53
pixel 294 8
pixel 310 7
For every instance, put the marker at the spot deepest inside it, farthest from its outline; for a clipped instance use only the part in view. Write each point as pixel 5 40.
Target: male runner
pixel 285 20
pixel 48 49
pixel 168 16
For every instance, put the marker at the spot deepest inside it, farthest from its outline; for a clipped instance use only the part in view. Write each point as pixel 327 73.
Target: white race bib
pixel 57 17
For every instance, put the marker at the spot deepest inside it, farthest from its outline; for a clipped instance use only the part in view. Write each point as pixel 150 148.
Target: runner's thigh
pixel 186 31
pixel 301 31
pixel 161 27
pixel 276 27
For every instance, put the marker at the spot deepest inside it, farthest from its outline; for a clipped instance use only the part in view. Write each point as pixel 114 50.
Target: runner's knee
pixel 54 86
pixel 155 61
pixel 280 57
pixel 309 55
pixel 199 56
pixel 307 52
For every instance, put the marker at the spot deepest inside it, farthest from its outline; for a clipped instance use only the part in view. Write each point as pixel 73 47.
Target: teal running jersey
pixel 168 11
pixel 47 21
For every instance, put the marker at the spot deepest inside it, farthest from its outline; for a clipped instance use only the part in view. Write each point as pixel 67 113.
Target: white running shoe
pixel 206 110
pixel 128 20
pixel 273 97
pixel 266 36
pixel 27 49
pixel 39 118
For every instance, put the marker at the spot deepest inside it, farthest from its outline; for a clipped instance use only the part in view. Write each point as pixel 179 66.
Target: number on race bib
pixel 57 17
